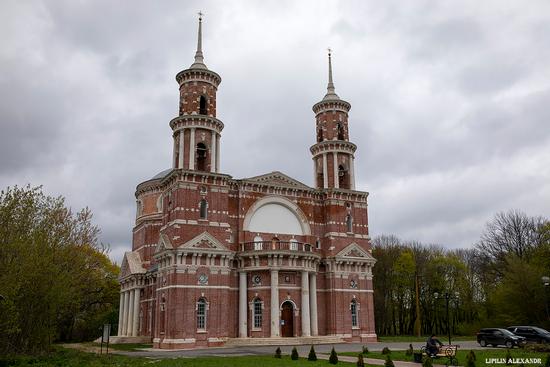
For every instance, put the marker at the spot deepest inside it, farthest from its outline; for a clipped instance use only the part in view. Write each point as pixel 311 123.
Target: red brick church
pixel 216 258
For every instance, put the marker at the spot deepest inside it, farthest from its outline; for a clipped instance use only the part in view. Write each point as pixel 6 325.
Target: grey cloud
pixel 448 104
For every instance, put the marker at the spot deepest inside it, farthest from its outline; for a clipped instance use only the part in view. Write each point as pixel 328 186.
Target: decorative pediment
pixel 164 244
pixel 277 178
pixel 205 241
pixel 354 251
pixel 131 264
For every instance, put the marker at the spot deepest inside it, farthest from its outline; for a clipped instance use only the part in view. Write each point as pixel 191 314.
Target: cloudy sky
pixel 450 101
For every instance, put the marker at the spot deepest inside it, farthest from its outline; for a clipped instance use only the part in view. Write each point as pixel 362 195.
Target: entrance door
pixel 287 320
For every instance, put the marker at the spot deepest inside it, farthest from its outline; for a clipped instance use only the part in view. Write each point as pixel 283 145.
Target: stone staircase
pixel 301 340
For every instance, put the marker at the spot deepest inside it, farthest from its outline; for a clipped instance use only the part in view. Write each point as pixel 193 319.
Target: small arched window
pixel 202 106
pixel 201 314
pixel 201 157
pixel 354 318
pixel 257 313
pixel 342 177
pixel 349 223
pixel 293 245
pixel 340 131
pixel 203 209
pixel 318 244
pixel 320 135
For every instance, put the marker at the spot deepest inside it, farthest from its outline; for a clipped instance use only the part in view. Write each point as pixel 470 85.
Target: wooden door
pixel 287 320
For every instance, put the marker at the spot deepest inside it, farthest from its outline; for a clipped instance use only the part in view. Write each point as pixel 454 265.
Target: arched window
pixel 202 106
pixel 257 308
pixel 203 209
pixel 201 157
pixel 274 243
pixel 201 314
pixel 349 223
pixel 258 243
pixel 342 177
pixel 293 245
pixel 320 135
pixel 340 131
pixel 354 319
pixel 318 244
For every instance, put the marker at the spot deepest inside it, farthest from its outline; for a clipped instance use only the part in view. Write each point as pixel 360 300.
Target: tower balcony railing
pixel 277 246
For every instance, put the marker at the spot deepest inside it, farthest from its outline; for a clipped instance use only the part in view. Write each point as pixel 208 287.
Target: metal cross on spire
pixel 331 94
pixel 199 59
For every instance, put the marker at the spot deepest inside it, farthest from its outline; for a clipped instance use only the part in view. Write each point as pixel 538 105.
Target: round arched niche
pixel 276 214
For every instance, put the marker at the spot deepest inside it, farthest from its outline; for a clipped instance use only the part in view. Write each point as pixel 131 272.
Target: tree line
pixel 497 282
pixel 56 281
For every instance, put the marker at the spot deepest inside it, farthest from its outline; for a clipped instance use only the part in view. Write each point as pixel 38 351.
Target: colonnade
pixel 308 308
pixel 128 315
pixel 336 183
pixel 180 143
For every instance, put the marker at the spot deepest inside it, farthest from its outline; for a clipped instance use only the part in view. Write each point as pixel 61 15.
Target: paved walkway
pixel 372 361
pixel 303 350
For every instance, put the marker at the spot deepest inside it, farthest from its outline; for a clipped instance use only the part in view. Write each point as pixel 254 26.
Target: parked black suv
pixel 531 333
pixel 496 336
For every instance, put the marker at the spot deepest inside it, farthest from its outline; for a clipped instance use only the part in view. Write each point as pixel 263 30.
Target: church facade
pixel 215 258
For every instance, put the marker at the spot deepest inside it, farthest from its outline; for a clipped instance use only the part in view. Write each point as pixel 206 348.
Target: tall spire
pixel 199 59
pixel 331 94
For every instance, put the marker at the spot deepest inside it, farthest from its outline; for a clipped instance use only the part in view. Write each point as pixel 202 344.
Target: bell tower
pixel 197 131
pixel 333 158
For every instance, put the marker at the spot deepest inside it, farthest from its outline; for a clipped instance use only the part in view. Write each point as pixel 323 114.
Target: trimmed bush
pixel 508 357
pixel 471 359
pixel 294 355
pixel 312 356
pixel 333 358
pixel 427 362
pixel 386 350
pixel 365 350
pixel 360 362
pixel 278 353
pixel 389 362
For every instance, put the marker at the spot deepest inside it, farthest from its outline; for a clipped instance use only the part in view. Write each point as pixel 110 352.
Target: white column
pixel 180 163
pixel 135 321
pixel 274 303
pixel 335 169
pixel 192 149
pixel 306 325
pixel 325 171
pixel 213 153
pixel 242 305
pixel 352 173
pixel 121 314
pixel 174 150
pixel 130 307
pixel 125 314
pixel 218 154
pixel 313 303
pixel 314 173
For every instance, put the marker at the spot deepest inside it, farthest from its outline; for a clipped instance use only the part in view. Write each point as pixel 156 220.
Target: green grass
pixel 481 355
pixel 130 347
pixel 414 339
pixel 72 358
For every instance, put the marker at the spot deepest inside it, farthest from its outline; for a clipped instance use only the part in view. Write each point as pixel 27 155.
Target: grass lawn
pixel 131 347
pixel 73 358
pixel 411 338
pixel 481 355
